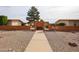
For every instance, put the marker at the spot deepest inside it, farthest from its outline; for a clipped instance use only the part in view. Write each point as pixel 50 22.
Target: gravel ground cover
pixel 59 41
pixel 14 40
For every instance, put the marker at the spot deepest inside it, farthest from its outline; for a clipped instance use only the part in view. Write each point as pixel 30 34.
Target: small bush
pixel 61 24
pixel 46 26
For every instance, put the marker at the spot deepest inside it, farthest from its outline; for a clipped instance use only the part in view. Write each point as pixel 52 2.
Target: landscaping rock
pixel 72 44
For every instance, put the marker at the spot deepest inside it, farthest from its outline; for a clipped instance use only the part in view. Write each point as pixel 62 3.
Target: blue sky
pixel 47 13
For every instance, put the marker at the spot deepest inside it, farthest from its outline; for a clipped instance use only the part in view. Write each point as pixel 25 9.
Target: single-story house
pixel 39 25
pixel 69 22
pixel 14 22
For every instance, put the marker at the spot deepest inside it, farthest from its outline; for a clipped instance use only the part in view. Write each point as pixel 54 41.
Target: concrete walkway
pixel 39 43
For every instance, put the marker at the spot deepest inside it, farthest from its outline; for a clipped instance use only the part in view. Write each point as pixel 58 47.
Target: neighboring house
pixel 69 22
pixel 14 22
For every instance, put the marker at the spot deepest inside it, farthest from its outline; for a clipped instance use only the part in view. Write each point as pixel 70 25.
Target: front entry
pixel 39 28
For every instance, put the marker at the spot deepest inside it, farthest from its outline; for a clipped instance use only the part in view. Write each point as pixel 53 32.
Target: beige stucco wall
pixel 69 23
pixel 74 23
pixel 14 23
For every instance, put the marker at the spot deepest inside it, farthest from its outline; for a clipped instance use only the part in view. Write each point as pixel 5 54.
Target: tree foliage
pixel 33 14
pixel 3 20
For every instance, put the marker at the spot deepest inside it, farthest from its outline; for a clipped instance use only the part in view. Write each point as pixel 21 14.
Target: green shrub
pixel 52 24
pixel 61 24
pixel 3 20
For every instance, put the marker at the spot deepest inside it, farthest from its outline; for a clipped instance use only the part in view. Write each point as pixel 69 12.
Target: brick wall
pixel 50 27
pixel 58 28
pixel 66 28
pixel 14 28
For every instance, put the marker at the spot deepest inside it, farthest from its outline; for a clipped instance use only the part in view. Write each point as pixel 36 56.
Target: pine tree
pixel 33 14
